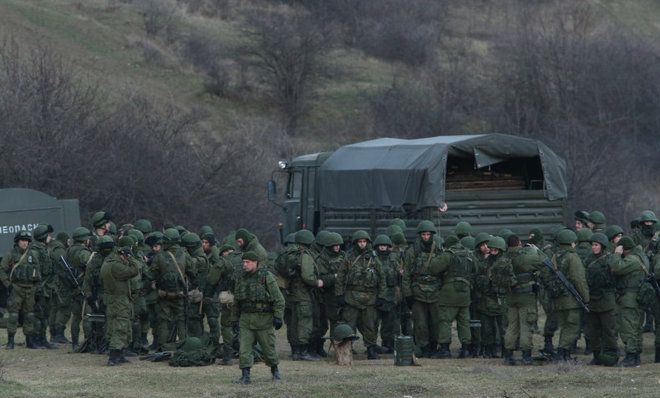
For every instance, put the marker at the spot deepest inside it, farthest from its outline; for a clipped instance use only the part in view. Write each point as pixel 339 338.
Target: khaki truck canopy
pixel 393 174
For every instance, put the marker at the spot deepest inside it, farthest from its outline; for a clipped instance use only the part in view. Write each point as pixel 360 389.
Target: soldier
pixel 551 323
pixel 601 319
pixel 614 233
pixel 481 252
pixel 261 308
pixel 211 287
pixel 303 284
pixel 72 296
pixel 248 242
pixel 644 237
pixel 329 261
pixel 20 273
pixel 139 289
pixel 597 221
pixel 525 262
pixel 655 269
pixel 57 248
pixel 46 290
pixel 456 268
pixel 583 248
pixel 399 247
pixel 421 288
pixel 117 270
pixel 95 296
pixel 388 314
pixel 231 269
pixel 153 241
pixel 172 269
pixel 102 223
pixel 628 269
pixel 360 290
pixel 491 305
pixel 567 308
pixel 193 244
pixel 463 229
pixel 581 220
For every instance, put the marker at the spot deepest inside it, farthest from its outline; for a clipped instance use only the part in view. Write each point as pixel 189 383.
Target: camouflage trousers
pixel 257 328
pixel 171 315
pixel 426 323
pixel 630 324
pixel 569 327
pixel 390 325
pixel 446 316
pixel 365 320
pixel 21 299
pixel 521 320
pixel 70 308
pixel 229 326
pixel 601 331
pixel 304 322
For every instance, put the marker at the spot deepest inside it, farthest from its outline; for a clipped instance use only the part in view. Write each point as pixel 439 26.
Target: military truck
pixel 492 181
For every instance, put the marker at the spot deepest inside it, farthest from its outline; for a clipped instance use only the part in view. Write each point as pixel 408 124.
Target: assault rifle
pixel 567 284
pixel 73 276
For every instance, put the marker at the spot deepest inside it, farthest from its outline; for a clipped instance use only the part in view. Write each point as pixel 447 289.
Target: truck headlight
pixel 282 164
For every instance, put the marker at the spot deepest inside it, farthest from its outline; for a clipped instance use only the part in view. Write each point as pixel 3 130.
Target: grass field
pixel 57 373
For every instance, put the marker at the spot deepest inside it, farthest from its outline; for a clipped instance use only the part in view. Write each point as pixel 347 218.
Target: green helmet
pixel 143 225
pixel 342 332
pixel 439 242
pixel 206 229
pixel 191 240
pixel 463 228
pixel 192 344
pixel 566 237
pixel 182 230
pixel 81 234
pixel 171 236
pixel 360 234
pixel 335 239
pixel 398 238
pixel 63 237
pixel 467 242
pixel 535 236
pixel 600 238
pixel 597 217
pixel 105 242
pixel 582 216
pixel 627 242
pixel 304 237
pixel 126 243
pixel 393 229
pixel 481 238
pixel 504 233
pixel 383 239
pixel 497 242
pixel 154 238
pixel 426 226
pixel 113 228
pixel 100 218
pixel 584 235
pixel 41 231
pixel 23 235
pixel 399 223
pixel 613 230
pixel 451 240
pixel 648 215
pixel 136 234
pixel 322 238
pixel 290 238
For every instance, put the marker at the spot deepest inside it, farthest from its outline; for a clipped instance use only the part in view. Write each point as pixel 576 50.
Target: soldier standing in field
pixel 260 306
pixel 328 262
pixel 388 313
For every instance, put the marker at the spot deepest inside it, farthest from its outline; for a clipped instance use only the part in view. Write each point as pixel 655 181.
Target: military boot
pixel 508 358
pixel 227 356
pixel 43 342
pixel 303 354
pixel 10 341
pixel 657 355
pixel 388 347
pixel 113 358
pixel 563 354
pixel 30 342
pixel 648 323
pixel 476 350
pixel 74 343
pixel 155 345
pixel 245 376
pixel 595 360
pixel 59 337
pixel 631 360
pixel 443 352
pixel 548 349
pixel 527 357
pixel 319 350
pixel 587 347
pixel 464 352
pixel 276 374
pixel 121 356
pixel 372 352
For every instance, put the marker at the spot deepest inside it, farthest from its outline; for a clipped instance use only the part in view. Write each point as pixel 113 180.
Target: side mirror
pixel 271 188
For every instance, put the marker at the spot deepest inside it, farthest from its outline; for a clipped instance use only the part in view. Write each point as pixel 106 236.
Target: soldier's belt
pixel 25 285
pixel 363 289
pixel 525 277
pixel 256 307
pixel 522 290
pixel 426 279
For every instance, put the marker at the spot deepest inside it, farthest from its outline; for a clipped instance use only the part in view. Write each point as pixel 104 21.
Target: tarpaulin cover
pixel 389 173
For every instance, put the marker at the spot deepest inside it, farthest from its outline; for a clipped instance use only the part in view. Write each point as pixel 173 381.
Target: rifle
pixel 73 276
pixel 567 284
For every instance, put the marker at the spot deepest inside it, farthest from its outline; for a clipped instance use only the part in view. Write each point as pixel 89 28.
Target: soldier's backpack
pixel 192 352
pixel 287 265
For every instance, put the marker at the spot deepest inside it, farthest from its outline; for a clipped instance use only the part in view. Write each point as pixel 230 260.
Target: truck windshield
pixel 295 185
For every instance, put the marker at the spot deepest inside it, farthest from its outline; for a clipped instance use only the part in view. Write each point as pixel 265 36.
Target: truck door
pixel 293 217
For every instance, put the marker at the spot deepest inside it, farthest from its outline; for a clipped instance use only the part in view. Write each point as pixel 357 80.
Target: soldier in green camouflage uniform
pixel 153 241
pixel 116 272
pixel 628 264
pixel 95 296
pixel 172 270
pixel 551 322
pixel 526 263
pixel 47 290
pixel 360 289
pixel 193 244
pixel 491 298
pixel 601 319
pixel 260 307
pixel 77 256
pixel 480 253
pixel 139 288
pixel 645 237
pixel 597 221
pixel 399 247
pixel 57 248
pixel 567 308
pixel 390 324
pixel 211 287
pixel 231 269
pixel 21 274
pixel 328 262
pixel 247 242
pixel 421 288
pixel 583 250
pixel 456 268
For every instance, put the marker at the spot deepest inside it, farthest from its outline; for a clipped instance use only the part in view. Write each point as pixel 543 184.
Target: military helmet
pixel 360 234
pixel 63 237
pixel 41 231
pixel 535 236
pixel 192 344
pixel 584 235
pixel 335 239
pixel 463 228
pixel 126 243
pixel 304 237
pixel 322 237
pixel 136 234
pixel 182 230
pixel 206 229
pixel 426 226
pixel 393 229
pixel 383 239
pixel 627 242
pixel 648 215
pixel 497 242
pixel 242 233
pixel 467 242
pixel 613 230
pixel 582 216
pixel 171 236
pixel 81 234
pixel 597 217
pixel 23 235
pixel 481 238
pixel 191 240
pixel 100 218
pixel 143 225
pixel 290 238
pixel 398 238
pixel 600 238
pixel 439 242
pixel 154 238
pixel 342 332
pixel 226 247
pixel 566 237
pixel 112 230
pixel 451 240
pixel 504 233
pixel 105 242
pixel 399 223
